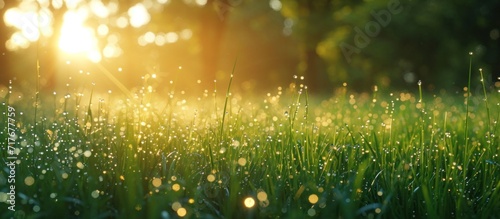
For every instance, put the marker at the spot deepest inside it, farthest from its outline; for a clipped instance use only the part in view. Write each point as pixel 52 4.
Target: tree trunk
pixel 210 36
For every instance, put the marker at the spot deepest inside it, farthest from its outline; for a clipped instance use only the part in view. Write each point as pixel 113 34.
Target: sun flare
pixel 76 38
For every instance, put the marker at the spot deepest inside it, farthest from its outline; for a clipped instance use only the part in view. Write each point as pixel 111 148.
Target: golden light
pixel 121 22
pixel 112 50
pixel 102 30
pixel 99 9
pixel 162 1
pixel 156 182
pixel 211 178
pixel 181 212
pixel 160 40
pixel 176 187
pixel 242 161
pixel 139 15
pixel 30 21
pixel 29 181
pixel 313 199
pixel 201 2
pixel 72 4
pixel 76 37
pixel 249 202
pixel 262 196
pixel 95 194
pixel 149 37
pixel 171 37
pixel 186 34
pixel 57 3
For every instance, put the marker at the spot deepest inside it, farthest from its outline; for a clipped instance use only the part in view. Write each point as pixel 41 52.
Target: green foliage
pixel 425 40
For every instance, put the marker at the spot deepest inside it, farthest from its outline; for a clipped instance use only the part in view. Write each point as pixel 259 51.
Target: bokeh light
pixel 29 181
pixel 139 15
pixel 313 198
pixel 181 212
pixel 156 182
pixel 249 202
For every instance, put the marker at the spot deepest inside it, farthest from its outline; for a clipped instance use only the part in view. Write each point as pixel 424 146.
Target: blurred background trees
pixel 388 43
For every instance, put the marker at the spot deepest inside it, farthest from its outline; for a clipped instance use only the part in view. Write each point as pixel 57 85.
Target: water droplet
pixel 156 182
pixel 176 187
pixel 242 161
pixel 29 181
pixel 249 202
pixel 176 206
pixel 222 150
pixel 311 212
pixel 181 212
pixel 95 194
pixel 313 198
pixel 211 178
pixel 262 196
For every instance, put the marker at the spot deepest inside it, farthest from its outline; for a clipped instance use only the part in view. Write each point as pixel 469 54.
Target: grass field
pixel 221 154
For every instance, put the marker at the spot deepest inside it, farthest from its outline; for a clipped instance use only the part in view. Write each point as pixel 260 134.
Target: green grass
pixel 161 154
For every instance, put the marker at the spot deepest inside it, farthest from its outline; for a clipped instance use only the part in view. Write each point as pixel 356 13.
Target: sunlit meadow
pixel 158 152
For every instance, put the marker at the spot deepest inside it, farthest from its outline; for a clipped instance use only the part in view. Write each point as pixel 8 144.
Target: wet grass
pixel 165 154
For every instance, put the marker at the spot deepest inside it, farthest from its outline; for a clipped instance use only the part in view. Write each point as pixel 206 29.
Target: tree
pixel 426 41
pixel 313 21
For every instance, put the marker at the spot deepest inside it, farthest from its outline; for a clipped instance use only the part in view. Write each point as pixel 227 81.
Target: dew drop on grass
pixel 249 202
pixel 176 206
pixel 95 194
pixel 29 181
pixel 242 161
pixel 262 196
pixel 176 187
pixel 311 212
pixel 236 143
pixel 80 165
pixel 156 182
pixel 313 198
pixel 211 178
pixel 181 212
pixel 222 150
pixel 380 193
pixel 36 208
